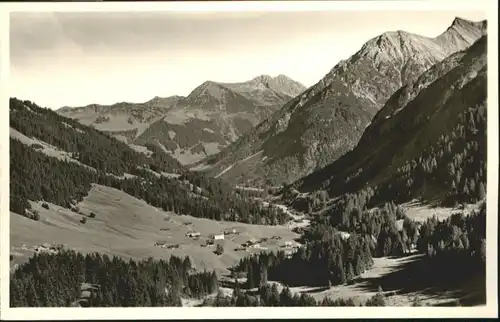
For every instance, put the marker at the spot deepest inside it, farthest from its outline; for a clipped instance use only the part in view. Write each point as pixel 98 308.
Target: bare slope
pixel 129 227
pixel 328 119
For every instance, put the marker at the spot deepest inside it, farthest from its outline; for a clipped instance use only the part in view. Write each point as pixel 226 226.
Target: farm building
pixel 230 231
pixel 344 235
pixel 46 248
pixel 218 237
pixel 399 225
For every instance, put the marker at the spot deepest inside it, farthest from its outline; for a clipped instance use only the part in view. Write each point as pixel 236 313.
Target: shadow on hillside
pixel 229 282
pixel 432 279
pixel 317 290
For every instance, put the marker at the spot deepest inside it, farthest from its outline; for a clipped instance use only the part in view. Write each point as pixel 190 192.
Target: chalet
pixel 46 248
pixel 344 235
pixel 218 237
pixel 230 231
pixel 88 293
pixel 399 225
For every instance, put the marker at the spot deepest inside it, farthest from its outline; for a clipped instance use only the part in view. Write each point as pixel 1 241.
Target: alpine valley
pixel 365 189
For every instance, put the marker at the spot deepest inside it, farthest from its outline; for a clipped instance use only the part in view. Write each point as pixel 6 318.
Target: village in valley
pixel 217 240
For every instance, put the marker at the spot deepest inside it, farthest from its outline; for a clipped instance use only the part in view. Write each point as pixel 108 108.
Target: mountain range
pixel 190 128
pixel 379 168
pixel 328 119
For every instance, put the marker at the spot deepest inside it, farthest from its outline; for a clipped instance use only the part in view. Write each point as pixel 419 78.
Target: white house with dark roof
pixel 218 236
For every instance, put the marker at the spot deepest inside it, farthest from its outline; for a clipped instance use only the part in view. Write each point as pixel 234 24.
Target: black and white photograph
pixel 217 155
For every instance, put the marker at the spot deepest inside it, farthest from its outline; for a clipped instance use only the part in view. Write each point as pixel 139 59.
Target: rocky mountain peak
pixel 281 84
pixel 207 88
pixel 262 79
pixel 461 22
pixel 461 34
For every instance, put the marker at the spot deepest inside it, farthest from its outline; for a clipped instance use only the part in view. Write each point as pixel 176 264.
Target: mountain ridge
pixel 328 119
pixel 427 142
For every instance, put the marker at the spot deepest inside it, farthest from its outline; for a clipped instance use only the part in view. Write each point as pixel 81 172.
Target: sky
pixel 78 58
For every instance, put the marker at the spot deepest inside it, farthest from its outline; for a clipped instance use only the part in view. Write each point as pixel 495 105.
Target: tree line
pixel 331 261
pixel 269 295
pixel 458 241
pixel 35 176
pixel 55 280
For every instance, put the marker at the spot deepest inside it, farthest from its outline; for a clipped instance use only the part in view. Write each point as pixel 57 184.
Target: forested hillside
pixel 428 142
pixel 102 159
pixel 86 144
pixel 328 259
pixel 55 280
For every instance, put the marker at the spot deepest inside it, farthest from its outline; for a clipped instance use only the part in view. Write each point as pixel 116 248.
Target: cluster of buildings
pixel 219 236
pixel 47 248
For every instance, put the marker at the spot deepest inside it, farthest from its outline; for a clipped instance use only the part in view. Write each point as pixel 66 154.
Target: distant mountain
pixel 190 128
pixel 328 119
pixel 121 116
pixel 428 142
